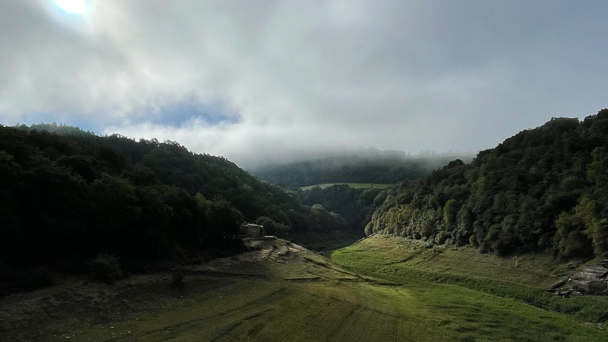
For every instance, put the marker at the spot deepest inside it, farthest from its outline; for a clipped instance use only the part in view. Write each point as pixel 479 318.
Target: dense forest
pixel 356 206
pixel 68 196
pixel 368 166
pixel 544 189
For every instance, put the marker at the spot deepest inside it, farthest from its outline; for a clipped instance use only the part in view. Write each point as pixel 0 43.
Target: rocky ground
pixel 585 279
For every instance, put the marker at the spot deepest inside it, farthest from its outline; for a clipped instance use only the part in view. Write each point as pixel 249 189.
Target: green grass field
pixel 325 243
pixel 524 278
pixel 305 297
pixel 279 311
pixel 352 185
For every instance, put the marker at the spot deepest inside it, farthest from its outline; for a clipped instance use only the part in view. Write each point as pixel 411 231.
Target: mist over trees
pixel 544 189
pixel 74 195
pixel 368 166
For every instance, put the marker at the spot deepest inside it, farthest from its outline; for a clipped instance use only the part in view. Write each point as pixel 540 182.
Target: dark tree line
pixel 356 206
pixel 69 196
pixel 544 189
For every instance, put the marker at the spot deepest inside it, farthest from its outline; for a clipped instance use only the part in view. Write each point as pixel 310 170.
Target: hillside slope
pixel 67 197
pixel 544 189
pixel 528 278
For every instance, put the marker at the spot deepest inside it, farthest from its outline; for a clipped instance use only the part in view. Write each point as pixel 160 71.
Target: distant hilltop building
pixel 253 230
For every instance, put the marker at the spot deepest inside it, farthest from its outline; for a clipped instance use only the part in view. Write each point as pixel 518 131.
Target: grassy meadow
pixel 352 185
pixel 338 311
pixel 325 243
pixel 379 289
pixel 524 278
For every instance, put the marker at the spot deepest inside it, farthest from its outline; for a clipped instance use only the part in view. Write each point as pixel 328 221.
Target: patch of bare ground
pixel 33 316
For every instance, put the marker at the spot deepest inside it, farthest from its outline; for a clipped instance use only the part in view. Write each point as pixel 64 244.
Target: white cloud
pixel 305 76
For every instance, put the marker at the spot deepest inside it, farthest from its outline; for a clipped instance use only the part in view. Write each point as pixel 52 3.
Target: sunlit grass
pixel 401 260
pixel 277 311
pixel 311 299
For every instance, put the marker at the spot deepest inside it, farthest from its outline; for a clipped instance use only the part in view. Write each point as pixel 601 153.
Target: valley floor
pixel 371 291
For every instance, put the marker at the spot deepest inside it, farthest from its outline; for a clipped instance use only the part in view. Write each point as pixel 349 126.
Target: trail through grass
pixel 276 311
pixel 301 296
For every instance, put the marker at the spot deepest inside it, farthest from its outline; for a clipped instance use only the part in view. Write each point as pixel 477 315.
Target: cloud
pixel 260 80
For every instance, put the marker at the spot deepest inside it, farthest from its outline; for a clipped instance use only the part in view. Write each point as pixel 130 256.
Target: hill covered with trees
pixel 68 196
pixel 544 189
pixel 356 206
pixel 368 166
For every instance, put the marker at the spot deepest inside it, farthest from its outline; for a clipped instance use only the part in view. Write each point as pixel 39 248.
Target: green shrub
pixel 105 268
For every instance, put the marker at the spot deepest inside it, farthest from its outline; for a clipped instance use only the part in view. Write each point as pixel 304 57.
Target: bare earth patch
pixel 34 316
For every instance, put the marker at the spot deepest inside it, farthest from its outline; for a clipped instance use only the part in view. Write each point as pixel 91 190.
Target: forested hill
pixel 369 166
pixel 72 195
pixel 544 189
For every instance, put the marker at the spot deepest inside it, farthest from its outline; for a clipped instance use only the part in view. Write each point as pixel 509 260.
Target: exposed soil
pixel 32 316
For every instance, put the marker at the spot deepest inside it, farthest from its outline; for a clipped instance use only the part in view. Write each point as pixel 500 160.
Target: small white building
pixel 253 230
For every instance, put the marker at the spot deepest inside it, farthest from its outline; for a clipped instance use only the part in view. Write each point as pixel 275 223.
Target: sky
pixel 267 81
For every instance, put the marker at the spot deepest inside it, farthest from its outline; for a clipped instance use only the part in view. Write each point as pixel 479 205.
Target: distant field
pixel 352 185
